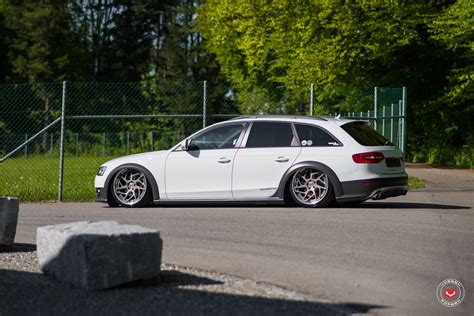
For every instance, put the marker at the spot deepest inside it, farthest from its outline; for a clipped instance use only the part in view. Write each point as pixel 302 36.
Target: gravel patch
pixel 24 290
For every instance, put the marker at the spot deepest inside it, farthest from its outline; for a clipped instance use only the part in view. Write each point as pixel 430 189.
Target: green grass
pixel 37 178
pixel 415 183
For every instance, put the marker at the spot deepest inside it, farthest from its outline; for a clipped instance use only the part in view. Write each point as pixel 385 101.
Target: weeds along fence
pixel 54 136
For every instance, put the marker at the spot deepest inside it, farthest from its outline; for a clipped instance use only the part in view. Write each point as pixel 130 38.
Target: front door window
pixel 223 137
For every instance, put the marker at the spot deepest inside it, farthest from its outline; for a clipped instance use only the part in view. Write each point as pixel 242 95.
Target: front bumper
pixel 100 195
pixel 376 189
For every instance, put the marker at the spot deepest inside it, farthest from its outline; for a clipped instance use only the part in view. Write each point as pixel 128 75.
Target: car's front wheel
pixel 311 187
pixel 131 188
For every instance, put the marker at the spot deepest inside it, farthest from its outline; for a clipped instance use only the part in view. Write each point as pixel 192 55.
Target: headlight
pixel 101 171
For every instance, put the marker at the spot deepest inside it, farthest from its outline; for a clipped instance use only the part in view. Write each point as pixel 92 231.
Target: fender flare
pixel 149 176
pixel 335 182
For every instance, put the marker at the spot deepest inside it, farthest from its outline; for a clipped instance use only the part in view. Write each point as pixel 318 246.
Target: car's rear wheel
pixel 311 187
pixel 131 188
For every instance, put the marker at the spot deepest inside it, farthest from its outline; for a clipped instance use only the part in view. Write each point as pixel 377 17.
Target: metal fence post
pixel 404 99
pixel 391 124
pixel 383 120
pixel 204 104
pixel 399 125
pixel 311 100
pixel 61 147
pixel 375 107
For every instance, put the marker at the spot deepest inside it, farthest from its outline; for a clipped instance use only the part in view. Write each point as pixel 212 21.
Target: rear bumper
pixel 376 189
pixel 100 195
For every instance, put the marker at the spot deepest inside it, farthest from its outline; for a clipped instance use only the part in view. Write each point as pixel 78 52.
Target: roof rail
pixel 278 116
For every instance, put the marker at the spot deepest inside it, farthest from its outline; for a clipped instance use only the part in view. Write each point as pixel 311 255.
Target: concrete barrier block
pixel 98 255
pixel 9 207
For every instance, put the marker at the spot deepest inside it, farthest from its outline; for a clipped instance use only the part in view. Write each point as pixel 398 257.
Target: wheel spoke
pixel 307 195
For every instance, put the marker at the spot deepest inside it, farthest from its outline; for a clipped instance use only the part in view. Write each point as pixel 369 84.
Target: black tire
pixel 315 180
pixel 111 201
pixel 117 199
pixel 110 198
pixel 287 198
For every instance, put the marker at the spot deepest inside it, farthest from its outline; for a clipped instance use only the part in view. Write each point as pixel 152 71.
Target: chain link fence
pixel 387 115
pixel 42 160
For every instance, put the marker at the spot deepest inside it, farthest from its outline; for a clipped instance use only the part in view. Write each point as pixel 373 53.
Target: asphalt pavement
pixel 386 255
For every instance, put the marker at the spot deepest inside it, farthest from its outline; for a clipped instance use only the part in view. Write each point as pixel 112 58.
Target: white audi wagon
pixel 308 161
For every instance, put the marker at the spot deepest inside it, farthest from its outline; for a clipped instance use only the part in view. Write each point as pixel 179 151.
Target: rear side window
pixel 313 136
pixel 270 134
pixel 365 135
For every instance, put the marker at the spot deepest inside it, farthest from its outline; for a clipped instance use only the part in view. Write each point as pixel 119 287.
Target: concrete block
pixel 9 207
pixel 98 255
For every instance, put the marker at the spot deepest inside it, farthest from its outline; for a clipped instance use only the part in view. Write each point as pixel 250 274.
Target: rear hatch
pixel 373 142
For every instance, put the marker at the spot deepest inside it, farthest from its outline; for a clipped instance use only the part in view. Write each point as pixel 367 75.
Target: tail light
pixel 372 157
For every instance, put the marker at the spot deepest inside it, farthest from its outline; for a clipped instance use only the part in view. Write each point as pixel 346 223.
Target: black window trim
pixel 339 143
pixel 210 128
pixel 247 133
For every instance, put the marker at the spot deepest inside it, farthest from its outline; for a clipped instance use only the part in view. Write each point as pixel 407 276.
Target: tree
pixel 181 64
pixel 338 47
pixel 454 30
pixel 119 36
pixel 4 66
pixel 277 49
pixel 43 48
pixel 132 39
pixel 92 22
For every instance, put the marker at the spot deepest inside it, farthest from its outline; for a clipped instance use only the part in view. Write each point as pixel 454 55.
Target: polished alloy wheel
pixel 309 186
pixel 130 186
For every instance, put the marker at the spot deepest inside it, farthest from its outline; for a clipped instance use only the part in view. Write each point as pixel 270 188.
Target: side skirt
pixel 271 200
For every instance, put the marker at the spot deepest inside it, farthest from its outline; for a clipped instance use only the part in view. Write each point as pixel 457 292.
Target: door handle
pixel 223 160
pixel 282 159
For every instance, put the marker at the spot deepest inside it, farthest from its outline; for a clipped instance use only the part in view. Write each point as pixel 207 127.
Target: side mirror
pixel 185 144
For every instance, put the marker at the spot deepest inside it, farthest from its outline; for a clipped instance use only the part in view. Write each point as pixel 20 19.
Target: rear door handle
pixel 223 160
pixel 282 159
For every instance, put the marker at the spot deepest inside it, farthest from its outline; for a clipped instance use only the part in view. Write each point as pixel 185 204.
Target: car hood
pixel 137 158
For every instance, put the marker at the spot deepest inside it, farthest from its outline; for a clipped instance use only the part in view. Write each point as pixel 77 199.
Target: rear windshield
pixel 365 135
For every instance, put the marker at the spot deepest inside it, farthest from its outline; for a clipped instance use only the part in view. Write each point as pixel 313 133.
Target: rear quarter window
pixel 314 136
pixel 365 135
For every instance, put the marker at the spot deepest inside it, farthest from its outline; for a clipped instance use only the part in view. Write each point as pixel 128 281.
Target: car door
pixel 270 149
pixel 204 171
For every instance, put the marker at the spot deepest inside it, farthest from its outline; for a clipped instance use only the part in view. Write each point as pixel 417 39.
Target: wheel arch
pixel 335 182
pixel 151 179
